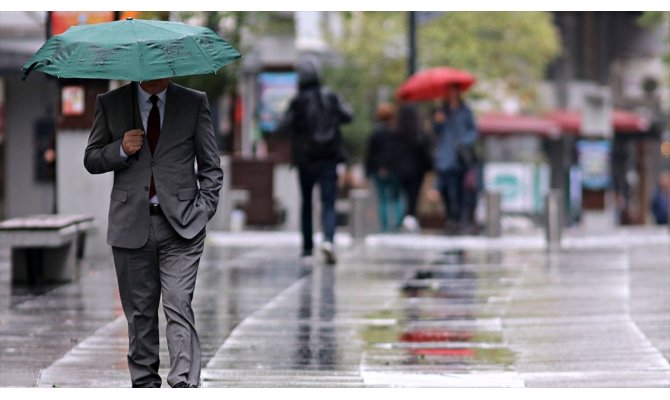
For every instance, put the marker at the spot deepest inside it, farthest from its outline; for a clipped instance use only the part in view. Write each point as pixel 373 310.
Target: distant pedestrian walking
pixel 454 125
pixel 410 158
pixel 378 162
pixel 472 189
pixel 313 120
pixel 661 199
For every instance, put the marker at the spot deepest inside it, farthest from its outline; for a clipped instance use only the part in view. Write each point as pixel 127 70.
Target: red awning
pixel 496 123
pixel 622 121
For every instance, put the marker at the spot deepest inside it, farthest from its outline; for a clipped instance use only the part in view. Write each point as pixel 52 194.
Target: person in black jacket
pixel 313 120
pixel 378 161
pixel 411 158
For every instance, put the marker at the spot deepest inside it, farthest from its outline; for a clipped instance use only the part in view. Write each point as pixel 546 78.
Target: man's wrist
pixel 123 153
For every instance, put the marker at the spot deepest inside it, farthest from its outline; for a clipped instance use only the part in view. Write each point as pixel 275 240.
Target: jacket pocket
pixel 119 195
pixel 187 194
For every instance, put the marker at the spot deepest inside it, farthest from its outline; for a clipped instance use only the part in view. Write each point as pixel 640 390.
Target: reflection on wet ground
pixel 383 317
pixel 446 323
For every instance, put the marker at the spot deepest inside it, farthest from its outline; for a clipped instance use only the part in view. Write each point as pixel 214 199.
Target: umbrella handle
pixel 134 94
pixel 25 74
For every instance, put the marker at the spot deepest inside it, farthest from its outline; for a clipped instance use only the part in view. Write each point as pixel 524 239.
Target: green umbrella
pixel 134 50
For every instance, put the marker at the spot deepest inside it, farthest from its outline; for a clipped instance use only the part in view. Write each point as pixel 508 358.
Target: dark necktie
pixel 153 132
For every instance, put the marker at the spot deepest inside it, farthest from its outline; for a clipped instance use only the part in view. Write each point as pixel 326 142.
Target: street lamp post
pixel 250 68
pixel 411 61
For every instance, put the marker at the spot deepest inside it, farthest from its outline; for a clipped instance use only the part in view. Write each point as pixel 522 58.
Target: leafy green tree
pixel 372 58
pixel 654 19
pixel 511 49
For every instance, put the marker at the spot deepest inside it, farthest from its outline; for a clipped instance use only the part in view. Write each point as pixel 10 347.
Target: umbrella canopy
pixel 132 49
pixel 432 83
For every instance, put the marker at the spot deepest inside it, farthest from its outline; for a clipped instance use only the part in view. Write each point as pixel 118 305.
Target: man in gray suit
pixel 160 204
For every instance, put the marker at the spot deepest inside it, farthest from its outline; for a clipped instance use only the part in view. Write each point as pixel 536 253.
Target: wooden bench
pixel 45 247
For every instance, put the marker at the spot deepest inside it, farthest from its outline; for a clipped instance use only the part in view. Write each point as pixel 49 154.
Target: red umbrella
pixel 432 83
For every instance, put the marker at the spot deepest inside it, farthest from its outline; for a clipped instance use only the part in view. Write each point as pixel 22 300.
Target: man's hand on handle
pixel 132 141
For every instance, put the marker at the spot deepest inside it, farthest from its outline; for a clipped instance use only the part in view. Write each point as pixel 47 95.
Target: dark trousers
pixel 412 187
pixel 165 266
pixel 326 176
pixel 451 188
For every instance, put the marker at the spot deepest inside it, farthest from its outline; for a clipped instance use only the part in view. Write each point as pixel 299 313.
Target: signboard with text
pixel 73 101
pixel 522 186
pixel 594 162
pixel 275 92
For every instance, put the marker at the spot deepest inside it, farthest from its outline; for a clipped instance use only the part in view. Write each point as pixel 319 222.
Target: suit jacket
pixel 188 196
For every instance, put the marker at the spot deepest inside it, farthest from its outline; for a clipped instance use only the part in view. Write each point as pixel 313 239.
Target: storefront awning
pixel 622 121
pixel 500 124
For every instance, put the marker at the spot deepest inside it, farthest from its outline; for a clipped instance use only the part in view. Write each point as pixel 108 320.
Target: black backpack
pixel 320 122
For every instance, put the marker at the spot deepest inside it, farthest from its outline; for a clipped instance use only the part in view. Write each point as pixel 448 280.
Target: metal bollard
pixel 493 227
pixel 553 219
pixel 358 203
pixel 238 220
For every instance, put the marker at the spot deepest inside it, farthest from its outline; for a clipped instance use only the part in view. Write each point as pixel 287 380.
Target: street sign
pixel 597 114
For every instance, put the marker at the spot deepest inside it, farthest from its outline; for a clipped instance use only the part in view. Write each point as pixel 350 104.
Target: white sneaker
pixel 410 223
pixel 328 251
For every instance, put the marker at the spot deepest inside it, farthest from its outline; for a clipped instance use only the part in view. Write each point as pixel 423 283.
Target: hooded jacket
pixel 296 120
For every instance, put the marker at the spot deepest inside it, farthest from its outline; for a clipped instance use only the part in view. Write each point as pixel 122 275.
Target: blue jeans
pixel 326 176
pixel 450 185
pixel 389 193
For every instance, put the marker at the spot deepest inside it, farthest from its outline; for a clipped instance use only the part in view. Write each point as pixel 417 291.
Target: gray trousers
pixel 166 265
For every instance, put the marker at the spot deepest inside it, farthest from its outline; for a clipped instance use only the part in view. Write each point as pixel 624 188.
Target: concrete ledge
pixel 571 240
pixel 269 239
pixel 575 239
pixel 45 246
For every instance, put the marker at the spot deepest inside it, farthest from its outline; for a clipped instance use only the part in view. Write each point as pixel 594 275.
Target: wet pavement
pixel 397 311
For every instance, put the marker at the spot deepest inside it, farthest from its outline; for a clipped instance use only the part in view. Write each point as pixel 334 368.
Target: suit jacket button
pixel 146 188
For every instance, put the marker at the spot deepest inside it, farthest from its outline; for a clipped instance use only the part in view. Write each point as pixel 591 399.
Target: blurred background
pixel 573 101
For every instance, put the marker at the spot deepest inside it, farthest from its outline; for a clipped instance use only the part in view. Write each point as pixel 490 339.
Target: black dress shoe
pixel 184 385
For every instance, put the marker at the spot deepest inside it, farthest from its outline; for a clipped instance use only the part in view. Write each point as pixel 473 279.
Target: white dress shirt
pixel 144 103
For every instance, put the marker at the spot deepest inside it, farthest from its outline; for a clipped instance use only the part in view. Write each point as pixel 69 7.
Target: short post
pixel 493 227
pixel 358 204
pixel 553 219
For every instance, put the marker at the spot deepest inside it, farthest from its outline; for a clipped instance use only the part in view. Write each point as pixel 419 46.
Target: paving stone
pixel 400 311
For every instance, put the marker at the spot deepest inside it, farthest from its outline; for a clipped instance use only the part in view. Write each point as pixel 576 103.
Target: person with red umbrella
pixel 454 124
pixel 454 156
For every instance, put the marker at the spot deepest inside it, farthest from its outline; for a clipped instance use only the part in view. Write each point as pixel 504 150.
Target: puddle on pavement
pixel 316 345
pixel 447 296
pixel 441 283
pixel 395 345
